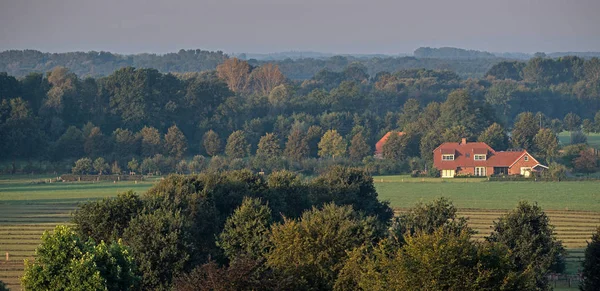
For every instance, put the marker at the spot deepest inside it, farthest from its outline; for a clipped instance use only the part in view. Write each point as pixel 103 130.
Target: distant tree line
pixel 241 110
pixel 244 231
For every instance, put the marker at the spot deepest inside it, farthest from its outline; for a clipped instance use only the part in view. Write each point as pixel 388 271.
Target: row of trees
pixel 239 230
pixel 41 112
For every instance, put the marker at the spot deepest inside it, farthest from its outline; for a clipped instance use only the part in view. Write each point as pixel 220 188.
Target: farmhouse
pixel 479 159
pixel 382 141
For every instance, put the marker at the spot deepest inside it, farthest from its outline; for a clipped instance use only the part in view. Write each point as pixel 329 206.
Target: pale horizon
pixel 328 26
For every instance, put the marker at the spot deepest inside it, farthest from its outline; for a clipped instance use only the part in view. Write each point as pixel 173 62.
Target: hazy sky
pixel 375 26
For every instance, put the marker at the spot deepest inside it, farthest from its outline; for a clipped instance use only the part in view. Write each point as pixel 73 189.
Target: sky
pixel 331 26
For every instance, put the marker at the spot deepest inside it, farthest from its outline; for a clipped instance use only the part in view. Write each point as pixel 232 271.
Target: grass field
pixel 28 208
pixel 404 191
pixel 593 139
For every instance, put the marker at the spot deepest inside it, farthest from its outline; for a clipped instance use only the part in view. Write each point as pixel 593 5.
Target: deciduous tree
pixel 212 143
pixel 495 137
pixel 332 145
pixel 359 147
pixel 82 166
pixel 524 130
pixel 266 77
pixel 296 147
pixel 236 74
pixel 527 232
pixel 591 264
pixel 268 146
pixel 237 147
pixel 175 142
pixel 246 231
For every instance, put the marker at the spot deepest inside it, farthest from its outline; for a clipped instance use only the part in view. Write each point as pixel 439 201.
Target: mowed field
pixel 28 208
pixel 593 139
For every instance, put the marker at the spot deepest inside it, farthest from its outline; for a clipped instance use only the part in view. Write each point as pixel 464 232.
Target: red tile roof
pixel 464 156
pixel 381 142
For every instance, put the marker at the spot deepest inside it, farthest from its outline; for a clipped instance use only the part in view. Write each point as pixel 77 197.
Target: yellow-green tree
pixel 332 145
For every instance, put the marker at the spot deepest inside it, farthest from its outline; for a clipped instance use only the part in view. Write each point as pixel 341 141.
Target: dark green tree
pixel 106 219
pixel 151 142
pixel 495 137
pixel 65 262
pixel 160 245
pixel 546 144
pixel 535 251
pixel 246 231
pixel 296 147
pixel 212 143
pixel 175 142
pixel 524 131
pixel 237 147
pixel 315 262
pixel 268 147
pixel 572 122
pixel 591 264
pixel 358 148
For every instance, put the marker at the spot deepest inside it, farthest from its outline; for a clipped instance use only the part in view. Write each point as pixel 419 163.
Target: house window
pixel 480 171
pixel 448 173
pixel 526 158
pixel 447 157
pixel 480 157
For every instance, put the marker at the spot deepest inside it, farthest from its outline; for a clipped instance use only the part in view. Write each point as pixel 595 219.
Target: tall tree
pixel 175 142
pixel 266 77
pixel 237 146
pixel 524 130
pixel 246 231
pixel 236 74
pixel 358 147
pixel 332 145
pixel 314 262
pixel 151 141
pixel 96 143
pixel 393 148
pixel 546 144
pixel 296 147
pixel 495 137
pixel 591 264
pixel 535 251
pixel 268 146
pixel 572 122
pixel 212 143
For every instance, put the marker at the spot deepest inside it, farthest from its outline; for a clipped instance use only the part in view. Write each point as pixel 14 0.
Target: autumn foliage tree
pixel 266 77
pixel 236 74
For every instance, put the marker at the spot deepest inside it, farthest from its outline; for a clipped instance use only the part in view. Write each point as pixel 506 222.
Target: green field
pixel 593 139
pixel 404 191
pixel 28 207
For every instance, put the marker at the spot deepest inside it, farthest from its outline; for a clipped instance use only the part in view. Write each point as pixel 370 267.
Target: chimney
pixel 464 141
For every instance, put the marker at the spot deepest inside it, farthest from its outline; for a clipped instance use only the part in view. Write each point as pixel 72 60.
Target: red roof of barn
pixel 464 152
pixel 381 142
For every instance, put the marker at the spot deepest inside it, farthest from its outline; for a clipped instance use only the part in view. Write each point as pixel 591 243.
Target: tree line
pixel 245 231
pixel 141 113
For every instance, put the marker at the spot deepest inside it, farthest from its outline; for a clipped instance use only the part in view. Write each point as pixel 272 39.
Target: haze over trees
pixel 162 119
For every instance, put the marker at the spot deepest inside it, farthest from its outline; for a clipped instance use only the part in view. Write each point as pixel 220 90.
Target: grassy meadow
pixel 29 206
pixel 593 139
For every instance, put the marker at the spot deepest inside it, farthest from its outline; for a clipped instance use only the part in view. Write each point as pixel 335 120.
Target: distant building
pixel 382 141
pixel 479 159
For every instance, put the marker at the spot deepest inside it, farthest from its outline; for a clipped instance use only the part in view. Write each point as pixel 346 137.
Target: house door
pixel 480 171
pixel 526 171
